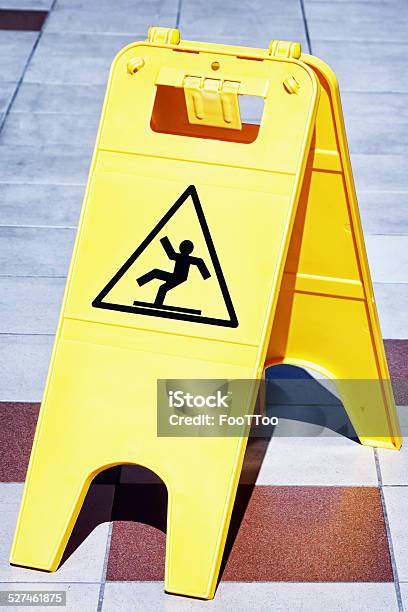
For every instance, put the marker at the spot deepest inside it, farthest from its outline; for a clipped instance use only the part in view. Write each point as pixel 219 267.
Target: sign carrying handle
pixel 210 101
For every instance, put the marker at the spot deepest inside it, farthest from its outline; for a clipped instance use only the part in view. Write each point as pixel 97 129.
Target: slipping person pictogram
pixel 122 300
pixel 183 261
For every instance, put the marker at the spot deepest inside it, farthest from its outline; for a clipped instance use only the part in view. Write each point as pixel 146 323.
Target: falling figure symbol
pixel 183 260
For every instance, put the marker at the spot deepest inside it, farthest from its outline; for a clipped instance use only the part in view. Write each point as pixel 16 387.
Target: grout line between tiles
pixel 45 183
pixel 62 276
pixel 59 227
pixel 388 531
pixel 25 334
pixel 105 565
pixel 48 584
pixel 307 33
pixel 178 16
pixel 108 546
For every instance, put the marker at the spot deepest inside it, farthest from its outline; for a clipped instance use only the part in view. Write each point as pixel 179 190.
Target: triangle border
pixel 98 302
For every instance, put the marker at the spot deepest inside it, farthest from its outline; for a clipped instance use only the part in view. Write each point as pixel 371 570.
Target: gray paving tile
pixel 380 172
pixel 75 58
pixel 16 44
pixel 392 306
pixel 28 251
pixel 404 594
pixel 30 305
pixel 384 212
pixel 82 597
pixel 357 12
pixel 46 164
pixel 396 502
pixel 253 24
pixel 27 204
pixel 255 10
pixel 24 366
pixel 376 123
pixel 49 98
pixel 6 92
pixel 403 415
pixel 133 20
pixel 394 466
pixel 240 39
pixel 34 5
pixel 370 135
pixel 91 70
pixel 345 29
pixel 317 461
pixel 12 67
pixel 84 565
pixel 364 66
pixel 388 258
pixel 157 7
pixel 49 128
pixel 377 105
pixel 261 596
pixel 242 27
pixel 73 44
pixel 395 2
pixel 15 48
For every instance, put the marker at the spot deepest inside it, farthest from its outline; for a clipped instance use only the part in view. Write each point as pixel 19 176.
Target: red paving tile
pixel 397 357
pixel 18 421
pixel 291 534
pixel 17 427
pixel 137 553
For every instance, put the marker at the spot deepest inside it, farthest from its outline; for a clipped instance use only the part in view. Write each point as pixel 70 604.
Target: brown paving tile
pixel 397 357
pixel 311 534
pixel 17 427
pixel 137 553
pixel 138 537
pixel 290 534
pixel 22 20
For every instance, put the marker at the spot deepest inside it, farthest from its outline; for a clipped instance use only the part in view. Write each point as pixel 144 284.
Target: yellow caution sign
pixel 207 248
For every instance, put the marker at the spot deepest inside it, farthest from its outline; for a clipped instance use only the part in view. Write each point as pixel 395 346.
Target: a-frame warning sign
pixel 299 282
pixel 178 260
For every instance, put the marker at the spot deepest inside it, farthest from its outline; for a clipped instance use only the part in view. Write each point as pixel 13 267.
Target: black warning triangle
pixel 157 308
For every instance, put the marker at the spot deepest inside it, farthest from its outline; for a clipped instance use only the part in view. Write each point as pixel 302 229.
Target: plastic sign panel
pixel 207 248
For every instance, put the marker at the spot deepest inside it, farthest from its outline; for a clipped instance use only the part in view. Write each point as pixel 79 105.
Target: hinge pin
pixel 285 49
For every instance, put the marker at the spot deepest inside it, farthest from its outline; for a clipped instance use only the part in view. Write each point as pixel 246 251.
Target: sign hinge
pixel 285 48
pixel 165 36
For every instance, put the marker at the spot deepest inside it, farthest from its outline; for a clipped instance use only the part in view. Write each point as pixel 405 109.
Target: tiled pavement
pixel 324 525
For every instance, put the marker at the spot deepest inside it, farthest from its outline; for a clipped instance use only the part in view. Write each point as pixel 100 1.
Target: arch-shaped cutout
pixel 293 394
pixel 134 499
